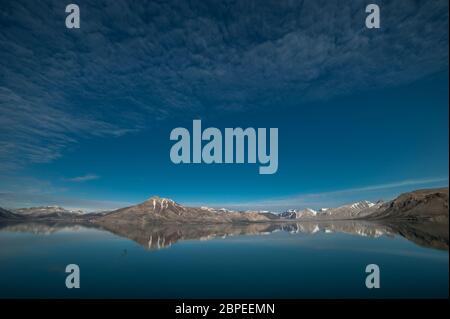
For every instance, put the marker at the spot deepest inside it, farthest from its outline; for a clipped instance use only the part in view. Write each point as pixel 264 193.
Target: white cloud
pixel 84 178
pixel 338 197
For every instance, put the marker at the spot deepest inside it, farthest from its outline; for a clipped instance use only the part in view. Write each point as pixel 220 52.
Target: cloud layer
pixel 134 63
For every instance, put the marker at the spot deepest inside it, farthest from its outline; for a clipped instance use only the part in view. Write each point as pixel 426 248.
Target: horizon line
pixel 299 201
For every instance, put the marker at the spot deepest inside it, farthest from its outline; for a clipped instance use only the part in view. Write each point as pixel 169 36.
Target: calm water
pixel 295 261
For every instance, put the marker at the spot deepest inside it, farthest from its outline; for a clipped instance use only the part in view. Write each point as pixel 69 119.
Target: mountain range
pixel 428 204
pixel 46 211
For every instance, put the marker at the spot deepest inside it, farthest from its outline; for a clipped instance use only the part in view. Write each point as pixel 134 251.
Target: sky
pixel 86 114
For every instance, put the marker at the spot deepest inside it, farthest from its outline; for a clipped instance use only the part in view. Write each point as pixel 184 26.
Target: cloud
pixel 386 186
pixel 12 184
pixel 84 178
pixel 134 64
pixel 17 192
pixel 338 197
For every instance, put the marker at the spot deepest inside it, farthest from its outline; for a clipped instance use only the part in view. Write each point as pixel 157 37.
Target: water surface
pixel 302 260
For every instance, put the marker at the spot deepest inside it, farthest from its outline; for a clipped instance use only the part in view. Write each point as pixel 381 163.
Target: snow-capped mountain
pixel 296 214
pixel 353 210
pixel 158 210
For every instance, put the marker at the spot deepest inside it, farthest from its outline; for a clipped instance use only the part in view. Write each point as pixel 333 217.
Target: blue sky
pixel 85 115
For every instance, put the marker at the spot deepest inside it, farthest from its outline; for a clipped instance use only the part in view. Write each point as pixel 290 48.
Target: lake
pixel 290 260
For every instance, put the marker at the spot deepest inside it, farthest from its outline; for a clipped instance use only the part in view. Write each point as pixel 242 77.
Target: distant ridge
pixel 46 211
pixel 40 213
pixel 6 214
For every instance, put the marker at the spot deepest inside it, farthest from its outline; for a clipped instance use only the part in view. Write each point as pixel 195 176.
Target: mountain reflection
pixel 151 236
